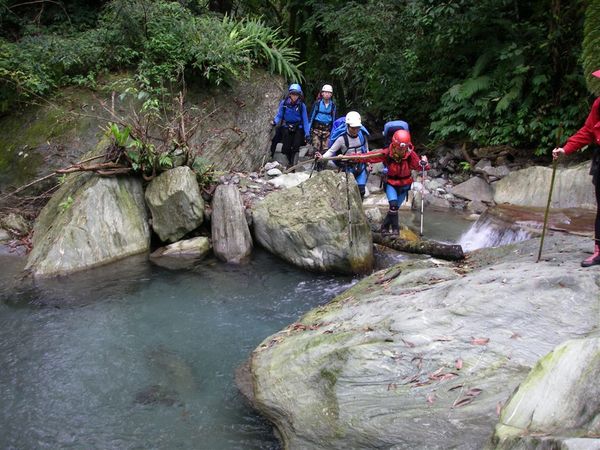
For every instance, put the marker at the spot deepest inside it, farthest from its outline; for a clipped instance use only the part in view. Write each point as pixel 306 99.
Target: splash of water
pixel 488 232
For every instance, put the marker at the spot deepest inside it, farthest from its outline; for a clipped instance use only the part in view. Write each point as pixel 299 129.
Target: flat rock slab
pixel 422 354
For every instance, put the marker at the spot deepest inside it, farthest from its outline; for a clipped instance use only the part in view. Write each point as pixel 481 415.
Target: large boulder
pixel 236 122
pixel 175 203
pixel 558 404
pixel 529 187
pixel 90 221
pixel 319 225
pixel 474 189
pixel 420 355
pixel 231 237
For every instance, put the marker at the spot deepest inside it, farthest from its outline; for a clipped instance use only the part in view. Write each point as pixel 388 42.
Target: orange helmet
pixel 401 138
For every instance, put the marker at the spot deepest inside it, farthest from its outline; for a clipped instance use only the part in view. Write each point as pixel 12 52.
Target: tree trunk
pixel 449 252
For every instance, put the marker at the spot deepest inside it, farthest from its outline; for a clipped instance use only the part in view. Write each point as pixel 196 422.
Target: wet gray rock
pixel 529 187
pixel 15 223
pixel 194 248
pixel 175 203
pixel 474 189
pixel 237 137
pixel 231 237
pixel 318 225
pixel 496 172
pixel 558 404
pixel 289 180
pixel 420 355
pixel 88 222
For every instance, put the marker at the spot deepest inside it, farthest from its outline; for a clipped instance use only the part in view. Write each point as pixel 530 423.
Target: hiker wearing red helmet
pixel 588 134
pixel 399 159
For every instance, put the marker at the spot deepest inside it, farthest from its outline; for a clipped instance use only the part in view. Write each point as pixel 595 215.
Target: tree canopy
pixel 486 72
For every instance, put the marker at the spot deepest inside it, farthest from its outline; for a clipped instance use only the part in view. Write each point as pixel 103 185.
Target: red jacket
pixel 589 133
pixel 399 172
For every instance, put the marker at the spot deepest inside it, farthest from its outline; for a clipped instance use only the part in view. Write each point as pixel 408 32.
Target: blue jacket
pixel 292 114
pixel 322 113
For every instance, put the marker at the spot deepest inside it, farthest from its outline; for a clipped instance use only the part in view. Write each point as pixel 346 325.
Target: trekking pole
pixel 349 216
pixel 554 164
pixel 423 164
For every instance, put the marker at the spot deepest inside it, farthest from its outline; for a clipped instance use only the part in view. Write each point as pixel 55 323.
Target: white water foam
pixel 487 234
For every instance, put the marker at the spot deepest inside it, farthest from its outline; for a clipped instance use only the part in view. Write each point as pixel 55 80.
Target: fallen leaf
pixel 458 364
pixel 448 376
pixel 499 406
pixel 462 402
pixel 431 397
pixel 479 341
pixel 458 386
pixel 408 343
pixel 474 392
pixel 515 336
pixel 392 386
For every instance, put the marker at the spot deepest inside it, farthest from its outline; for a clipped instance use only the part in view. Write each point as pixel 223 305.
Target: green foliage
pixel 488 71
pixel 465 166
pixel 591 45
pixel 66 204
pixel 121 136
pixel 205 172
pixel 163 41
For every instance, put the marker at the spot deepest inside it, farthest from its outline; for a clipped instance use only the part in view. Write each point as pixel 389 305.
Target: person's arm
pixel 414 161
pixel 313 113
pixel 335 148
pixel 585 135
pixel 279 116
pixel 305 123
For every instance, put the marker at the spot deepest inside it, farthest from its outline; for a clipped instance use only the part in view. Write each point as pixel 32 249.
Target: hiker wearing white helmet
pixel 351 140
pixel 322 117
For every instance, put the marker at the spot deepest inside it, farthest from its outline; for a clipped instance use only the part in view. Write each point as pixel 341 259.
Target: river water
pixel 135 356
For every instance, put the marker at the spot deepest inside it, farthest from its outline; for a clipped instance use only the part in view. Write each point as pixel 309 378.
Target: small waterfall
pixel 493 231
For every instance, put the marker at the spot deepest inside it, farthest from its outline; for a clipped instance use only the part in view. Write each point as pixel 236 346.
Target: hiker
pixel 588 134
pixel 351 141
pixel 321 120
pixel 399 159
pixel 292 124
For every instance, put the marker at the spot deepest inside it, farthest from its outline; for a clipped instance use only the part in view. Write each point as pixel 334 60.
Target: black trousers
pixel 291 140
pixel 597 224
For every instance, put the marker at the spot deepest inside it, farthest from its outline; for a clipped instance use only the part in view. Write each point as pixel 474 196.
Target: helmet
pixel 327 88
pixel 400 139
pixel 353 119
pixel 295 89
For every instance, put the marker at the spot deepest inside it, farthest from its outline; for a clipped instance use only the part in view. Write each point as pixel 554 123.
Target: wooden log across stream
pixel 450 252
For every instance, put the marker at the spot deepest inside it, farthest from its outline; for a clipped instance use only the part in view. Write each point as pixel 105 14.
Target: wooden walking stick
pixel 554 164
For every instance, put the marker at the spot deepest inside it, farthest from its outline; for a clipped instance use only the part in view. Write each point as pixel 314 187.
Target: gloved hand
pixel 384 171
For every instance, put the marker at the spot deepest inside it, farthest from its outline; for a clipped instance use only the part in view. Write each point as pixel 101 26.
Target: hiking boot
pixel 594 259
pixel 394 222
pixel 385 226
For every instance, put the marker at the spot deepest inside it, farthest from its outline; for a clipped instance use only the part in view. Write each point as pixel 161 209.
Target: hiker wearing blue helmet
pixel 292 124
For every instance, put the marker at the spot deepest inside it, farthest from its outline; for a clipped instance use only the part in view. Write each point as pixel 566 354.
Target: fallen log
pixel 450 252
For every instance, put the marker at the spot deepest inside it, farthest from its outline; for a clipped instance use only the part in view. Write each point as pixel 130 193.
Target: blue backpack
pixel 339 129
pixel 390 128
